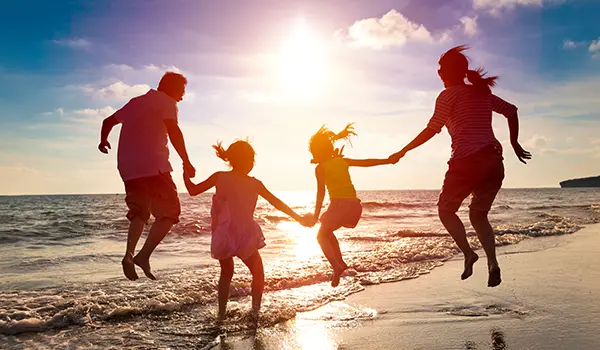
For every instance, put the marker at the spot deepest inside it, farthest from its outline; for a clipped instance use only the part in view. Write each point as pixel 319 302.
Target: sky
pixel 275 71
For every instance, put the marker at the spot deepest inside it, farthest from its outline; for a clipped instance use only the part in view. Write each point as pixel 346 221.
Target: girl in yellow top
pixel 344 208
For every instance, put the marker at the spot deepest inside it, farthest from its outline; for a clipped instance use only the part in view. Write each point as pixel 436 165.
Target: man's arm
pixel 367 162
pixel 107 125
pixel 176 137
pixel 423 137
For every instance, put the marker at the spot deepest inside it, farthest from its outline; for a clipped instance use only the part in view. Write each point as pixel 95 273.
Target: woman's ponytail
pixel 479 80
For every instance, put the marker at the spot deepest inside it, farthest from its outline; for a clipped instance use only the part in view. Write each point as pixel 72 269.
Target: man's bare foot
pixel 129 268
pixel 144 264
pixel 254 318
pixel 494 276
pixel 337 274
pixel 469 261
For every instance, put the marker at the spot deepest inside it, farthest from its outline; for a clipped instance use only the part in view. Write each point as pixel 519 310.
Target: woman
pixel 475 166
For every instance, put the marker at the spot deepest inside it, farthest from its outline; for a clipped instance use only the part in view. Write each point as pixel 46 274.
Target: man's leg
pixel 158 231
pixel 136 227
pixel 138 201
pixel 166 209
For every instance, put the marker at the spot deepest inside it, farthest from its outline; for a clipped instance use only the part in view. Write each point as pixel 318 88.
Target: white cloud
pixel 594 46
pixel 115 91
pixel 74 43
pixel 469 25
pixel 97 112
pixel 570 44
pixel 392 29
pixel 495 6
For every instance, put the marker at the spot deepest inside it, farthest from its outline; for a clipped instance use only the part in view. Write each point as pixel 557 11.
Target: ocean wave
pixel 396 205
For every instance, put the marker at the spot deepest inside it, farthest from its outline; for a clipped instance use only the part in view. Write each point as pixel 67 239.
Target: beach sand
pixel 549 299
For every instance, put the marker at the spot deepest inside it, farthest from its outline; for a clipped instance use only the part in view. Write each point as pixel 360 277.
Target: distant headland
pixel 583 182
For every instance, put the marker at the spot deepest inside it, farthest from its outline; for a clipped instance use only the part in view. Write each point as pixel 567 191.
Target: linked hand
pixel 521 153
pixel 104 146
pixel 394 158
pixel 189 170
pixel 308 220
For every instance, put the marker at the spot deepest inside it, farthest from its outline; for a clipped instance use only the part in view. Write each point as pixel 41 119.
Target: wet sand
pixel 548 300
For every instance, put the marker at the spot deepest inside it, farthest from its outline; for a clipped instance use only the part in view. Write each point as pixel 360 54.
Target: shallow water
pixel 61 284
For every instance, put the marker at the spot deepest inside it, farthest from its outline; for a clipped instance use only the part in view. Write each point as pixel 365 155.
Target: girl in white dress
pixel 234 231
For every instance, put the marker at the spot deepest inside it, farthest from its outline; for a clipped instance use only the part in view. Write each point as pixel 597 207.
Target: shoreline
pixel 547 300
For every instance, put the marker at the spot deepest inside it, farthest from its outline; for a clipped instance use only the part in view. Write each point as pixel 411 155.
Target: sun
pixel 301 62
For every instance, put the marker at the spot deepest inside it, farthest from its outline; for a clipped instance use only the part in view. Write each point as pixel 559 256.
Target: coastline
pixel 547 300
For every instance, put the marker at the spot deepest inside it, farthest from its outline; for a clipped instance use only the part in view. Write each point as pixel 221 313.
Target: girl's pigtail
pixel 479 80
pixel 220 151
pixel 346 133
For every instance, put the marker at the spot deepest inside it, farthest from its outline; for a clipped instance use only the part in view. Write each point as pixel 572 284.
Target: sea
pixel 61 284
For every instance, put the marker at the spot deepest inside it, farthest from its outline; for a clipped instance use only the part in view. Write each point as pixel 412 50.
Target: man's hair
pixel 171 81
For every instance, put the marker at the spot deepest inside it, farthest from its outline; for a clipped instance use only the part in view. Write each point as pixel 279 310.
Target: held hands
pixel 307 220
pixel 521 153
pixel 188 170
pixel 104 146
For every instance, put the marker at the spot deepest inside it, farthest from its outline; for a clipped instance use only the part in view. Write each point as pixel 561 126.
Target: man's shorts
pixel 479 175
pixel 152 194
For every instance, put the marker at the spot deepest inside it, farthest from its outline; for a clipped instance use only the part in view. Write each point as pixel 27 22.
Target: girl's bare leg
pixel 255 264
pixel 224 284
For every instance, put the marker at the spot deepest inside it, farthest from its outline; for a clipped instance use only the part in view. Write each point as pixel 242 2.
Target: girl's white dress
pixel 234 231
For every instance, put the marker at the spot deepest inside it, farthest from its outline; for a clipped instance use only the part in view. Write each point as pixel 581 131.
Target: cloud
pixel 496 6
pixel 74 43
pixel 595 47
pixel 392 29
pixel 570 44
pixel 115 91
pixel 469 25
pixel 97 112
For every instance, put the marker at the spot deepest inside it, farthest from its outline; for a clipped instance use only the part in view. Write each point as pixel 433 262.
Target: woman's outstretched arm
pixel 423 137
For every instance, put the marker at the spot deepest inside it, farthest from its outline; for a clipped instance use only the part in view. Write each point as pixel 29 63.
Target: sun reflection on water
pixel 303 240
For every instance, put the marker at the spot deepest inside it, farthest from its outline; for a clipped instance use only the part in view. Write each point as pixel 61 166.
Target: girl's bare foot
pixel 494 278
pixel 144 264
pixel 129 268
pixel 337 274
pixel 469 261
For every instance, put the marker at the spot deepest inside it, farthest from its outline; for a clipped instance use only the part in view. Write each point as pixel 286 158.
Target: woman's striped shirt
pixel 467 113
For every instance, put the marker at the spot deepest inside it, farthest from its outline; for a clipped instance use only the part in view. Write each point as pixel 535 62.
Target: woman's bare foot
pixel 129 268
pixel 494 278
pixel 144 264
pixel 469 262
pixel 337 274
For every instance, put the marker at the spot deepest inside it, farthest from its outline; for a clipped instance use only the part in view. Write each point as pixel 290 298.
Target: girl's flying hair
pixel 455 64
pixel 238 154
pixel 321 143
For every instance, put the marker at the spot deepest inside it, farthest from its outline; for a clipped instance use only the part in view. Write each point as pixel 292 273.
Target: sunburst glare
pixel 302 64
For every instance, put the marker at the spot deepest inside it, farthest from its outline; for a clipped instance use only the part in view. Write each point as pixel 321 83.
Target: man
pixel 143 161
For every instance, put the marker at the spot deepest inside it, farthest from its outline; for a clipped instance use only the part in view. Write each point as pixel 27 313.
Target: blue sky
pixel 274 71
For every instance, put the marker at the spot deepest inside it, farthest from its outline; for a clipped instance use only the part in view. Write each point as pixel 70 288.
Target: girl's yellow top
pixel 337 179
